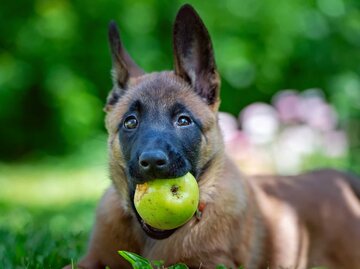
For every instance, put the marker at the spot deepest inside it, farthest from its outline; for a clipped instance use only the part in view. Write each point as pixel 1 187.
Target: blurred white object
pixel 292 145
pixel 228 125
pixel 335 143
pixel 260 122
pixel 301 139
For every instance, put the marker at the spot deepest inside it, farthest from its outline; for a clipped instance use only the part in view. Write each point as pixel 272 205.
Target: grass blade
pixel 136 261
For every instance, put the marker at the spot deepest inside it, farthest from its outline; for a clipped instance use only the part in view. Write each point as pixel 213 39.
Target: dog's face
pixel 159 134
pixel 161 125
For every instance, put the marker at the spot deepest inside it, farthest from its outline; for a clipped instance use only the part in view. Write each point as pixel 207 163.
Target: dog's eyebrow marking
pixel 179 108
pixel 135 106
pixel 114 97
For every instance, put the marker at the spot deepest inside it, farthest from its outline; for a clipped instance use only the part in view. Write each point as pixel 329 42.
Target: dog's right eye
pixel 183 120
pixel 131 122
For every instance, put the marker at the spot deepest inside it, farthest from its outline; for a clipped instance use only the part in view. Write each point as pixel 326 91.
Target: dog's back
pixel 313 219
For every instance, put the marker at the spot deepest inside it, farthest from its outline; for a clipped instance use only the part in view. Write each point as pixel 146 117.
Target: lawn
pixel 47 208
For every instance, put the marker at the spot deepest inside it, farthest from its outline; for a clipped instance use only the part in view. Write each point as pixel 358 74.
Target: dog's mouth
pixel 156 233
pixel 153 232
pixel 149 230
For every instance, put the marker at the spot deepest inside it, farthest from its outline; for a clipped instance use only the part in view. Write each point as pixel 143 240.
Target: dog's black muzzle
pixel 155 156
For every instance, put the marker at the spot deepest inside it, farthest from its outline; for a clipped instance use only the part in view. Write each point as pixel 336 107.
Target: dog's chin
pixel 151 231
pixel 155 233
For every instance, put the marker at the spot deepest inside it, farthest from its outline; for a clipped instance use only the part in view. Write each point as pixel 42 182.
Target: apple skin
pixel 166 204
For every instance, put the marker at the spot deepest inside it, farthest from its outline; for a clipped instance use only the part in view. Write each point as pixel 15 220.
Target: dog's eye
pixel 131 122
pixel 183 121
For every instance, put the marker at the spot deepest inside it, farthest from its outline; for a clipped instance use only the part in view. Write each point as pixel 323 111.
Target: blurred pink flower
pixel 316 112
pixel 238 146
pixel 287 104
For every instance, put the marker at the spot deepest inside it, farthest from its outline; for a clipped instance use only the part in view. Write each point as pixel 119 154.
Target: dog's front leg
pixel 113 231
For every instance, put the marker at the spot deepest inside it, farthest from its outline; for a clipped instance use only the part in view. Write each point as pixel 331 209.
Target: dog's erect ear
pixel 194 57
pixel 123 66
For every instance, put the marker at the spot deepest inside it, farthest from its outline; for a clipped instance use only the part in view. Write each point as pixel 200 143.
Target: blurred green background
pixel 55 76
pixel 54 60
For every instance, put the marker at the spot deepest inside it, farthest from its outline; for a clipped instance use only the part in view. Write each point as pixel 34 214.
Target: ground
pixel 47 209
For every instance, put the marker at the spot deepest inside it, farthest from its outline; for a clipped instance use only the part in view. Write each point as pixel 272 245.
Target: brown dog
pixel 163 125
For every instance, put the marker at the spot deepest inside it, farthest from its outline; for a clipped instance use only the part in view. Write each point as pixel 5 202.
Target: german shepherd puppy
pixel 165 124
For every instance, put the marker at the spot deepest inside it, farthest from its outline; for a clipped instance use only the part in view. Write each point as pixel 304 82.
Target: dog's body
pixel 163 125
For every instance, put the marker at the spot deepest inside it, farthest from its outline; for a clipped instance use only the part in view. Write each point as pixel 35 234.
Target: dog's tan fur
pixel 258 222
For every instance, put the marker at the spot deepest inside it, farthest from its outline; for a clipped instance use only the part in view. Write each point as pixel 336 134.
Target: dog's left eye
pixel 131 122
pixel 183 121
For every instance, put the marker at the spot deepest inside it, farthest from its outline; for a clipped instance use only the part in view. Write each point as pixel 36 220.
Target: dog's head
pixel 163 124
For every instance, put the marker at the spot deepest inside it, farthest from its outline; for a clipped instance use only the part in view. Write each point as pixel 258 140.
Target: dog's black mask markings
pixel 174 134
pixel 168 135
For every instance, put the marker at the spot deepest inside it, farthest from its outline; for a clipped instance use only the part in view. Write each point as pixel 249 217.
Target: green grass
pixel 43 237
pixel 47 208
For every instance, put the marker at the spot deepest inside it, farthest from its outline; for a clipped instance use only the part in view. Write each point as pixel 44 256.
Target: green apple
pixel 166 204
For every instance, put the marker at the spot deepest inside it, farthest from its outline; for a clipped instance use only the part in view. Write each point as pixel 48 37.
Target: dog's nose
pixel 154 160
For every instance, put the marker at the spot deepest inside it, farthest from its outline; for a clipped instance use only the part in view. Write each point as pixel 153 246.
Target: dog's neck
pixel 210 174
